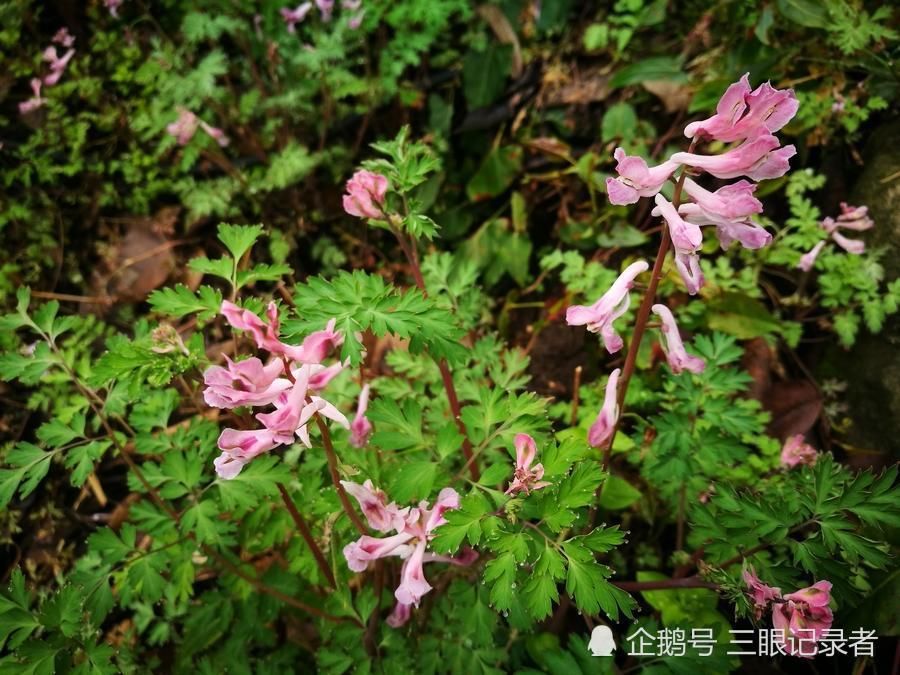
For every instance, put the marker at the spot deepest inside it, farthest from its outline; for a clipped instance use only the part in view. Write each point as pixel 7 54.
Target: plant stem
pixel 335 478
pixel 664 584
pixel 409 250
pixel 305 532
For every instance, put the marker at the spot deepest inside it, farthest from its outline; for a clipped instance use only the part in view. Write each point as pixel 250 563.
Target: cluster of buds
pixel 57 66
pixel 292 381
pixel 295 15
pixel 802 617
pixel 853 218
pixel 184 128
pixel 748 117
pixel 413 529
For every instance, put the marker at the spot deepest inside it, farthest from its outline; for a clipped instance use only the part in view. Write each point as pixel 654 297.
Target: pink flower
pixel 686 240
pixel 326 9
pixel 216 134
pixel 729 209
pixel 803 618
pixel 319 375
pixel 184 128
pixel 246 382
pixel 525 478
pixel 676 354
pixel 364 550
pixel 808 259
pixel 351 5
pixel 600 316
pixel 852 218
pixel 602 429
pixel 414 532
pixel 356 20
pixel 113 7
pixel 361 427
pixel 36 101
pixel 63 38
pixel 294 16
pixel 381 516
pixel 313 350
pixel 365 195
pixel 742 113
pixel 239 447
pixel 57 64
pixel 757 158
pixel 796 452
pixel 636 179
pixel 295 408
pixel 761 594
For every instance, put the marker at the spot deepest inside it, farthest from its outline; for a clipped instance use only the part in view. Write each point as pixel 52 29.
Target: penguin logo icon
pixel 602 642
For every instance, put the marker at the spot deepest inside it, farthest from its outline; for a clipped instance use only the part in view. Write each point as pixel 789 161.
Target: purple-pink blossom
pixel 676 355
pixel 57 64
pixel 36 100
pixel 729 208
pixel 313 350
pixel 186 125
pixel 797 452
pixel 742 113
pixel 853 218
pixel 600 316
pixel 365 195
pixel 687 238
pixel 113 7
pixel 757 158
pixel 604 425
pixel 326 9
pixel 63 38
pixel 361 427
pixel 294 16
pixel 525 477
pixel 413 532
pixel 636 179
pixel 803 618
pixel 380 515
pixel 760 593
pixel 808 259
pixel 247 382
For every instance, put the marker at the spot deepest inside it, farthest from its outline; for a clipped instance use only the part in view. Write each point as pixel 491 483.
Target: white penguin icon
pixel 602 642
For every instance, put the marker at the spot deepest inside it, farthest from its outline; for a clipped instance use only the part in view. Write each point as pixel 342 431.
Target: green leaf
pixel 179 301
pixel 468 522
pixel 256 483
pixel 579 487
pixel 619 122
pixel 809 13
pixel 220 267
pixel 741 316
pixel 56 433
pixel 496 173
pixel 291 165
pixel 32 463
pixel 654 68
pixel 414 481
pixel 617 494
pixel 485 73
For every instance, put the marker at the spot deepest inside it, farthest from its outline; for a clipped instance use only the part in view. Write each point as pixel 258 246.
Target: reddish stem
pixel 335 478
pixel 412 257
pixel 664 584
pixel 305 532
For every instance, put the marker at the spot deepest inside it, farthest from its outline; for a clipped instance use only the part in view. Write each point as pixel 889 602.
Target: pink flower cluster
pixel 801 617
pixel 365 195
pixel 413 529
pixel 854 218
pixel 184 128
pixel 745 116
pixel 293 16
pixel 292 381
pixel 57 65
pixel 797 452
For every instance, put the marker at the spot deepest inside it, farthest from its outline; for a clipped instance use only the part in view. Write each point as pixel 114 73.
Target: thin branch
pixel 335 478
pixel 305 532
